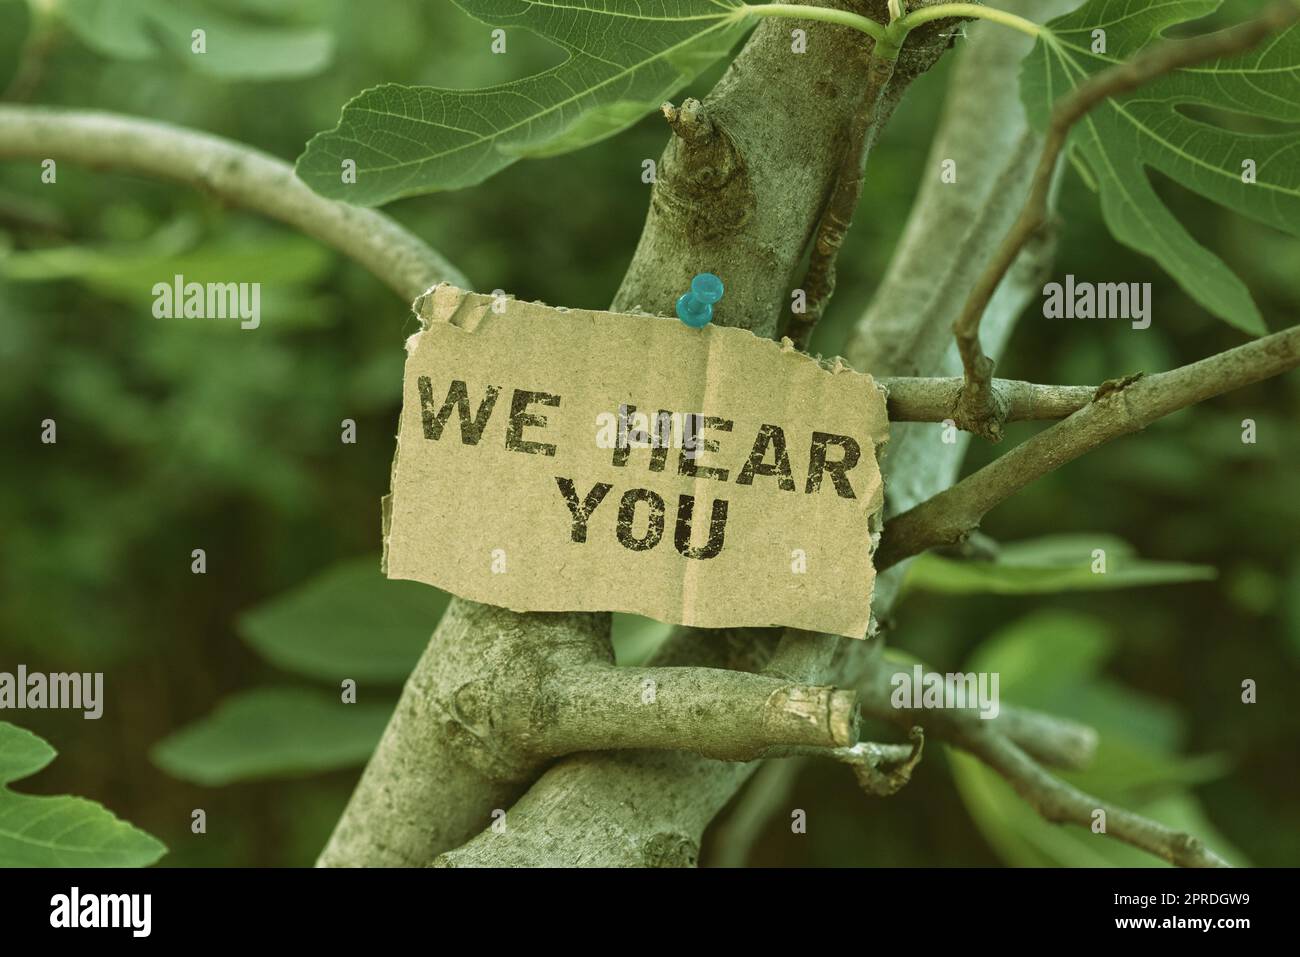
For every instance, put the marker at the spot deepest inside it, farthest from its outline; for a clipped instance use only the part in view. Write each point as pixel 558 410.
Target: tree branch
pixel 1062 803
pixel 611 809
pixel 1048 738
pixel 442 766
pixel 1120 408
pixel 1053 740
pixel 730 196
pixel 721 714
pixel 490 717
pixel 490 704
pixel 837 217
pixel 882 770
pixel 935 400
pixel 978 409
pixel 235 173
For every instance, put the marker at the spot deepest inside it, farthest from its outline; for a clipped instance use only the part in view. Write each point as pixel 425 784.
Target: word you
pixel 1106 300
pixel 214 300
pixel 75 909
pixel 58 691
pixel 919 689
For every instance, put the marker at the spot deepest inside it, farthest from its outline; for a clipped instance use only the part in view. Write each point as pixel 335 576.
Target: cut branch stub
pixel 834 709
pixel 705 187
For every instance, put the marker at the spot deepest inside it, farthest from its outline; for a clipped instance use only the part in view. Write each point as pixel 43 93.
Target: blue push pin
pixel 695 308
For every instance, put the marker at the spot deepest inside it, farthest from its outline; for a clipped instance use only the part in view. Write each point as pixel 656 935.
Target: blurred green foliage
pixel 1055 563
pixel 231 46
pixel 175 435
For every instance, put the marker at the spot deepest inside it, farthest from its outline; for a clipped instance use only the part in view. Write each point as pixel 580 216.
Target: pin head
pixel 695 308
pixel 707 287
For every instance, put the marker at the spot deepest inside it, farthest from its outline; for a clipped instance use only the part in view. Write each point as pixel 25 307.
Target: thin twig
pixel 944 11
pixel 882 770
pixel 837 217
pixel 978 406
pixel 1120 407
pixel 1062 803
pixel 935 400
pixel 1051 739
pixel 234 172
pixel 1006 743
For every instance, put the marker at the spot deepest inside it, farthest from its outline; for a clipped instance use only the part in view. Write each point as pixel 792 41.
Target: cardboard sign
pixel 555 459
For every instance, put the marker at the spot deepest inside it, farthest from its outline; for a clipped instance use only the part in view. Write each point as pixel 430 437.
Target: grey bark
pixel 442 768
pixel 936 400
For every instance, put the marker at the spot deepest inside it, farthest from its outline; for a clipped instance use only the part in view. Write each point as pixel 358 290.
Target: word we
pixel 103 910
pixel 946 691
pixel 58 690
pixel 1107 300
pixel 215 300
